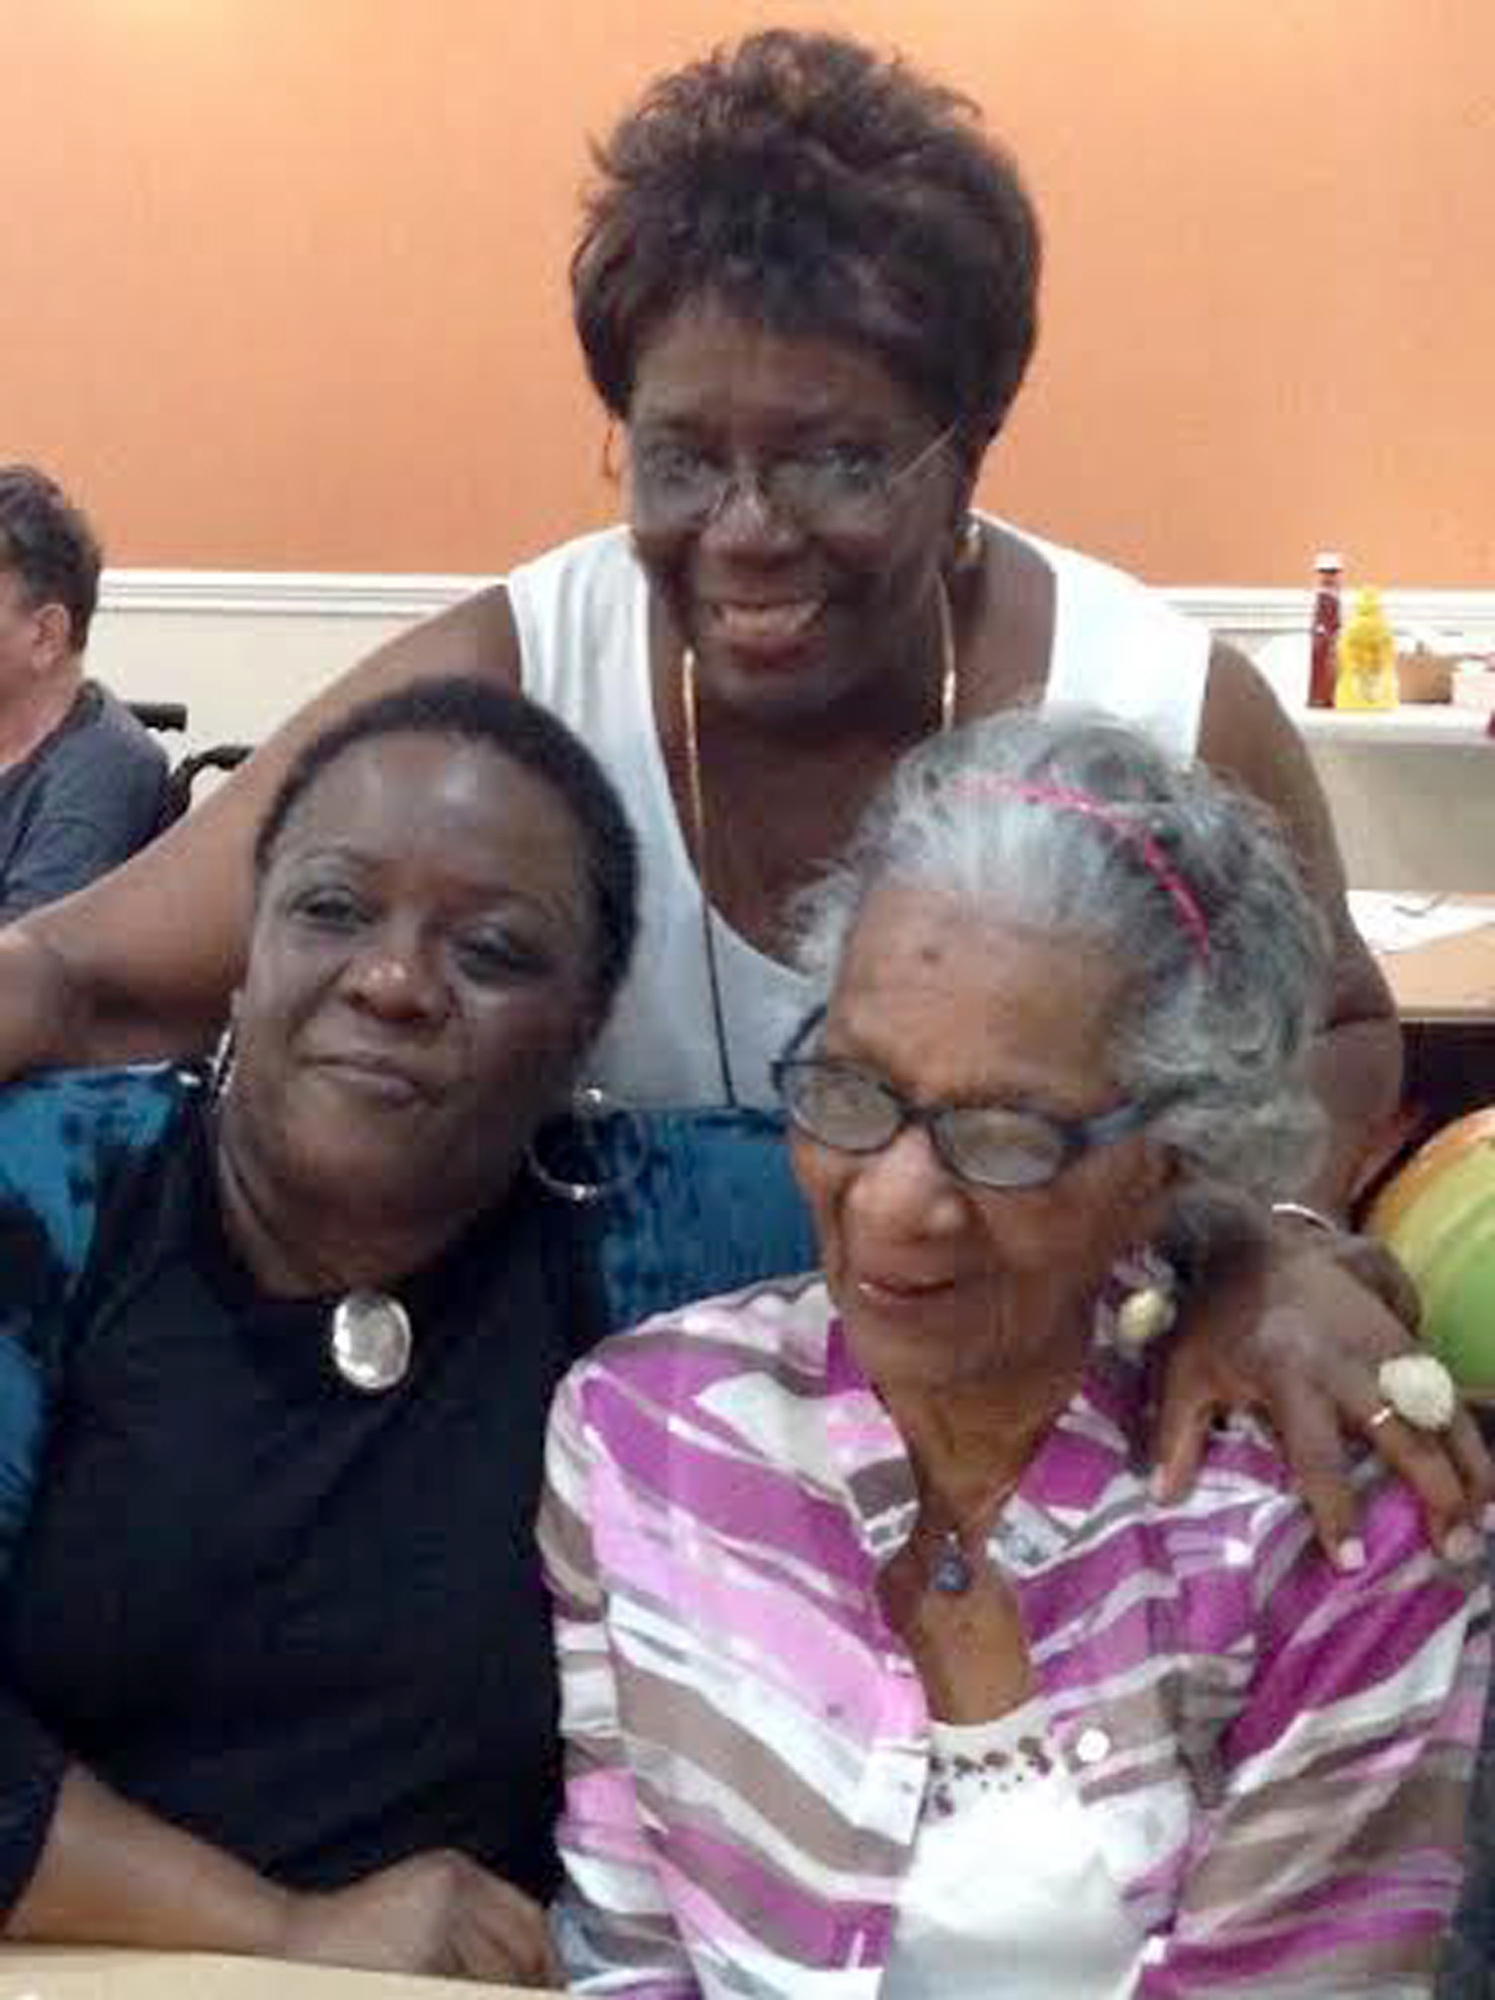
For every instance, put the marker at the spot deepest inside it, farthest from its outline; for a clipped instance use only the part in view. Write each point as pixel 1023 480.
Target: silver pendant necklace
pixel 369 1341
pixel 368 1336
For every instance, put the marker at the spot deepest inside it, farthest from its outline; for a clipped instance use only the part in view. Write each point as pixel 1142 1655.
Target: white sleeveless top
pixel 1007 1896
pixel 582 616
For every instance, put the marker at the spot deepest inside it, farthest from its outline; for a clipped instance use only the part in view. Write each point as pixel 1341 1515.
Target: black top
pixel 303 1622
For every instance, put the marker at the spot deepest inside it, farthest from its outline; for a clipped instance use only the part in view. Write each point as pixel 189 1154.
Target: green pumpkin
pixel 1445 1238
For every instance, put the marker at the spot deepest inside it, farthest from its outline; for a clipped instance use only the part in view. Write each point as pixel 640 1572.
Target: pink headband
pixel 1067 799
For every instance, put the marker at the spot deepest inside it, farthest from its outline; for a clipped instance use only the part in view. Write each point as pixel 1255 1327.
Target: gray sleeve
pixel 96 796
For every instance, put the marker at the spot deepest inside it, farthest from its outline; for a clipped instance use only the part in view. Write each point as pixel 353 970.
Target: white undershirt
pixel 1007 1895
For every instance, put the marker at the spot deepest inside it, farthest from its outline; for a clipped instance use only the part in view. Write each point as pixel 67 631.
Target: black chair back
pixel 167 717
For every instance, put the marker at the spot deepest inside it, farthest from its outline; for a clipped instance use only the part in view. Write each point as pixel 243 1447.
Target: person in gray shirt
pixel 82 782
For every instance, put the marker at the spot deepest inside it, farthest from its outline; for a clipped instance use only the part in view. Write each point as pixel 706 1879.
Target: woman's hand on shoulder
pixel 1297 1331
pixel 437 1913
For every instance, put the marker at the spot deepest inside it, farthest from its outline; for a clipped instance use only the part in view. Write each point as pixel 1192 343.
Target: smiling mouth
pixel 894 1294
pixel 368 1076
pixel 763 627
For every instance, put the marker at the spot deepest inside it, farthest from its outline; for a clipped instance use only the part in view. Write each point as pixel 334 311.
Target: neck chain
pixel 949 693
pixel 950 1570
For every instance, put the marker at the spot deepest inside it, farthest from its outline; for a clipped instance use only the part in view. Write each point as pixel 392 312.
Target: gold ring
pixel 1382 1416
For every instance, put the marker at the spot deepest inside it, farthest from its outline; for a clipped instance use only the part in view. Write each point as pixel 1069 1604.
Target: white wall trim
pixel 368 594
pixel 1410 792
pixel 1262 612
pixel 237 593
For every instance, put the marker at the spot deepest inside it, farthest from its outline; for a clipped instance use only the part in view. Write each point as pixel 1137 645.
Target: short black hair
pixel 475 711
pixel 817 189
pixel 50 545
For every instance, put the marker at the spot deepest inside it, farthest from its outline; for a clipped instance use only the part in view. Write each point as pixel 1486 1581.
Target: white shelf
pixel 1415 723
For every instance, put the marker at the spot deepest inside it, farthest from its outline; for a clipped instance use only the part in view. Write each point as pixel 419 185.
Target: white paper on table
pixel 1392 920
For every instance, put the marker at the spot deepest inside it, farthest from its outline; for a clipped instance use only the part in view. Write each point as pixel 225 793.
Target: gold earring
pixel 970 544
pixel 610 464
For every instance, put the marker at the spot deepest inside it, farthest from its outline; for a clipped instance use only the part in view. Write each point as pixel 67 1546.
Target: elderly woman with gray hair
pixel 885 1671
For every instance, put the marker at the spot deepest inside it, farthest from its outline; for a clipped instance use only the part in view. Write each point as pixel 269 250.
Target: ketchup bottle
pixel 1323 659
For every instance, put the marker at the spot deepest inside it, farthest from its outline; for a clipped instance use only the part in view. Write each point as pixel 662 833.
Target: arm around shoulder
pixel 1358 1068
pixel 1247 736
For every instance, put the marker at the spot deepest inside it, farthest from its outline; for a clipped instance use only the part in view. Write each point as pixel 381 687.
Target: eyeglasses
pixel 838 486
pixel 840 1104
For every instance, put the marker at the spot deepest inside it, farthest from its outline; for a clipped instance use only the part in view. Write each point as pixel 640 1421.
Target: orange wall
pixel 281 281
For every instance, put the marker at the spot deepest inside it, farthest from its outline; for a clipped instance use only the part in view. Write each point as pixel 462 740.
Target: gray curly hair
pixel 1181 878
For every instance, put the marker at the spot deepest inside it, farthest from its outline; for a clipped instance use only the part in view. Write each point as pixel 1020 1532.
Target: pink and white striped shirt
pixel 1274 1756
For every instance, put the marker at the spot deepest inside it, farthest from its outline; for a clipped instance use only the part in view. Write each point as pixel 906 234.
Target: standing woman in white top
pixel 806 292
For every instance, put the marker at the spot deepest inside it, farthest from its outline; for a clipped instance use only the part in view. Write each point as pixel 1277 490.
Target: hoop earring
pixel 221 1065
pixel 599 1133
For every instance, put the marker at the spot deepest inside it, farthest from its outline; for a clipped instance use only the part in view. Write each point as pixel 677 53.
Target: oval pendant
pixel 370 1341
pixel 951 1571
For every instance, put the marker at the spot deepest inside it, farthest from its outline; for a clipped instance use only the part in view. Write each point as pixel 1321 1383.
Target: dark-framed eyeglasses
pixel 678 484
pixel 853 1109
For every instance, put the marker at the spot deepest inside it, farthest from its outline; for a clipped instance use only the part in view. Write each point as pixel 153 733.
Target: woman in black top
pixel 274 1665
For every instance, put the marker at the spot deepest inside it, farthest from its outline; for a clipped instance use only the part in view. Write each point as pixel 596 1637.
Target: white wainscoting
pixel 1413 796
pixel 244 648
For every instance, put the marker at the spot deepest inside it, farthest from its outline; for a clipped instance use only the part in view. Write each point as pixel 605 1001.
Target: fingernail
pixel 1463 1544
pixel 1350 1555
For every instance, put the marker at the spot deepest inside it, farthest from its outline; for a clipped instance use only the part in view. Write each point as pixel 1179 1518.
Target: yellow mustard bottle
pixel 1367 657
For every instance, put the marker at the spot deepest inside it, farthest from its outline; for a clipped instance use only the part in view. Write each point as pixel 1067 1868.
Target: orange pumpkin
pixel 1438 1215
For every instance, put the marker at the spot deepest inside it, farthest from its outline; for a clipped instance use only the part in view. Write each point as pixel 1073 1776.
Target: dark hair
pixel 815 188
pixel 48 543
pixel 477 712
